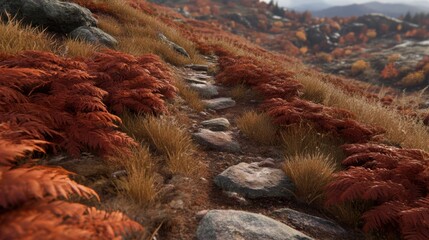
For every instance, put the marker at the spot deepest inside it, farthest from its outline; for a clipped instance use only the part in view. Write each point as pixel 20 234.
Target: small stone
pixel 174 45
pixel 120 173
pixel 219 103
pixel 198 67
pixel 201 214
pixel 216 124
pixel 195 80
pixel 205 90
pixel 237 197
pixel 177 204
pixel 240 225
pixel 219 141
pixel 253 181
pixel 303 220
pixel 267 163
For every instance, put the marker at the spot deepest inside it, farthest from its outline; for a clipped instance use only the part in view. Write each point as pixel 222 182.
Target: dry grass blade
pixel 140 184
pixel 165 137
pixel 76 48
pixel 310 174
pixel 258 127
pixel 16 37
pixel 190 96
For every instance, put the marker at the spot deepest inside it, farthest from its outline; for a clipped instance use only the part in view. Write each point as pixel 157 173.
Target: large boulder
pixel 239 225
pixel 56 16
pixel 254 181
pixel 93 35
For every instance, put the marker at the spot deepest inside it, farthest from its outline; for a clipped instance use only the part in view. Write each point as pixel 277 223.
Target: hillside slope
pixel 193 125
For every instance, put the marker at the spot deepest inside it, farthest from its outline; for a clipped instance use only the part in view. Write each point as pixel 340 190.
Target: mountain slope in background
pixel 390 9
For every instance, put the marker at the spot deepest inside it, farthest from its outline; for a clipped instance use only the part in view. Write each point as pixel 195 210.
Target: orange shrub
pixel 413 79
pixel 359 67
pixel 389 71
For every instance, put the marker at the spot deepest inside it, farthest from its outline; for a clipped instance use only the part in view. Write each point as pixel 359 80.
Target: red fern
pixel 333 120
pixel 394 180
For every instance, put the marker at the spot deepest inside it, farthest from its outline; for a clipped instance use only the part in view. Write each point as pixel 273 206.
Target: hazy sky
pixel 341 2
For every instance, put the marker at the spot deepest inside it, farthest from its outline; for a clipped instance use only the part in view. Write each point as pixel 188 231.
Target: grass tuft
pixel 258 127
pixel 140 184
pixel 310 174
pixel 16 37
pixel 165 137
pixel 191 97
pixel 76 48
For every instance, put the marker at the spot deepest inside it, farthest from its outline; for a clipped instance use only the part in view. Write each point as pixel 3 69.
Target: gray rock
pixel 195 80
pixel 219 103
pixel 205 90
pixel 56 16
pixel 93 35
pixel 216 124
pixel 253 181
pixel 310 222
pixel 174 45
pixel 219 141
pixel 198 67
pixel 240 225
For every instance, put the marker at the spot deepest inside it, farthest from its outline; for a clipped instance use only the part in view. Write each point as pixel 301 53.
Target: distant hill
pixel 389 9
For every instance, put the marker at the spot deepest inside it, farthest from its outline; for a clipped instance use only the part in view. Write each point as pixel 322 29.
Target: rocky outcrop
pixel 56 16
pixel 377 21
pixel 59 17
pixel 239 225
pixel 253 181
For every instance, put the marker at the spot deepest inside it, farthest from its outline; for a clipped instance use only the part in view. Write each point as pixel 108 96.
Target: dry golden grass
pixel 399 129
pixel 310 174
pixel 140 184
pixel 75 48
pixel 303 139
pixel 349 213
pixel 167 138
pixel 137 34
pixel 16 37
pixel 190 96
pixel 258 127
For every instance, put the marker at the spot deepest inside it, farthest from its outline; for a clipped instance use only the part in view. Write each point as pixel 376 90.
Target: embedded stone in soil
pixel 253 181
pixel 219 103
pixel 306 221
pixel 219 141
pixel 216 124
pixel 205 90
pixel 240 225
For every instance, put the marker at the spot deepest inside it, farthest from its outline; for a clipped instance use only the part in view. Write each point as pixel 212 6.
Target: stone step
pixel 240 225
pixel 254 181
pixel 219 103
pixel 216 124
pixel 205 90
pixel 219 141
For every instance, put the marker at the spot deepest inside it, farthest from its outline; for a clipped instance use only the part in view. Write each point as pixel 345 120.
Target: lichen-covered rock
pixel 240 225
pixel 56 16
pixel 253 181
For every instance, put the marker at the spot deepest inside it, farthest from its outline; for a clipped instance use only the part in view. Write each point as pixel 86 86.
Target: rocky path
pixel 247 194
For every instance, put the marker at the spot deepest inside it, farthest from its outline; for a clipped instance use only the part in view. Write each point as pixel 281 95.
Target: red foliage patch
pixel 395 180
pixel 333 120
pixel 50 98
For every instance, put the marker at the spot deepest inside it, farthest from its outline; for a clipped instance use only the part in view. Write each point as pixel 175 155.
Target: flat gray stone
pixel 93 35
pixel 216 124
pixel 219 103
pixel 198 67
pixel 240 225
pixel 219 141
pixel 306 221
pixel 205 90
pixel 252 181
pixel 56 16
pixel 174 45
pixel 195 80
